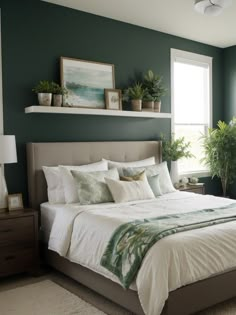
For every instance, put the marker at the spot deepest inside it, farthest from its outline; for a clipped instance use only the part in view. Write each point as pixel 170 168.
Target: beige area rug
pixel 44 298
pixel 24 295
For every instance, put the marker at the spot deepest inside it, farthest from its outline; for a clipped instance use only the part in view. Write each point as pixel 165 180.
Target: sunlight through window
pixel 191 104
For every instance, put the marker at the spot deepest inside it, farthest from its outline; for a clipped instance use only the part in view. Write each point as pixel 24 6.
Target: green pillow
pixel 153 181
pixel 91 186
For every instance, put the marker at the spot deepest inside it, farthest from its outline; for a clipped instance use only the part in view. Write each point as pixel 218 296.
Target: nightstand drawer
pixel 196 190
pixel 16 260
pixel 15 231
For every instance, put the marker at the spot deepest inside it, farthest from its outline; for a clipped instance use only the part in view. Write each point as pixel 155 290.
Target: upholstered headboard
pixel 77 153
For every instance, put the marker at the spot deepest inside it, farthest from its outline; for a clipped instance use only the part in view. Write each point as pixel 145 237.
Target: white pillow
pixel 55 186
pixel 70 190
pixel 165 182
pixel 145 162
pixel 129 191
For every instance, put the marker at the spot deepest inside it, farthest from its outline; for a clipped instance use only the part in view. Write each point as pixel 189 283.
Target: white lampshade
pixel 7 149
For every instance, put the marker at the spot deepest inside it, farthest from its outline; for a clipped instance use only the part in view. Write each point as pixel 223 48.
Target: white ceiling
pixel 176 17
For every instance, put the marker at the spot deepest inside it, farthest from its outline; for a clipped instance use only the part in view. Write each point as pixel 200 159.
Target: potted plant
pixel 148 102
pixel 173 150
pixel 135 94
pixel 153 85
pixel 44 90
pixel 220 152
pixel 58 93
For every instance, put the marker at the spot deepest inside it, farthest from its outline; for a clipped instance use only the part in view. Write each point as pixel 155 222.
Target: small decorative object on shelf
pixel 148 103
pixel 154 89
pixel 58 93
pixel 44 89
pixel 193 180
pixel 15 202
pixel 173 150
pixel 113 99
pixel 184 181
pixel 135 93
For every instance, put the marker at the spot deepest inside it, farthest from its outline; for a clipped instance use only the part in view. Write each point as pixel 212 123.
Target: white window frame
pixel 195 59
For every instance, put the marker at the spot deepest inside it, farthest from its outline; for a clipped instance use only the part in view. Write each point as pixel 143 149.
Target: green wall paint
pixel 230 91
pixel 35 34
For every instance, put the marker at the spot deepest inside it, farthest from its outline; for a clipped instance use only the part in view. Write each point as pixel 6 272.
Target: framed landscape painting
pixel 85 82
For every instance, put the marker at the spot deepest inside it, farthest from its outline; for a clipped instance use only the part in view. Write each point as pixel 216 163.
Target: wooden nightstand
pixel 18 242
pixel 198 189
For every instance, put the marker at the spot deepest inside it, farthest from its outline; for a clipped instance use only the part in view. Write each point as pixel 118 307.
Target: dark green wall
pixel 35 34
pixel 230 91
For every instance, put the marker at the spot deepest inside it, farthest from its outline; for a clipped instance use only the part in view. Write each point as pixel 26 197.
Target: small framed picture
pixel 113 99
pixel 15 202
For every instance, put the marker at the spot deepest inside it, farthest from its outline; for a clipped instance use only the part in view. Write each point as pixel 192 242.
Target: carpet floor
pixel 89 302
pixel 44 297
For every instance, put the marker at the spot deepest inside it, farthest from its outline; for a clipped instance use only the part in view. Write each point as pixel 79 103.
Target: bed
pixel 185 300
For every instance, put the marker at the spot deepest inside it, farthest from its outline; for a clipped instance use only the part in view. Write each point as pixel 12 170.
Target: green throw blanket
pixel 131 241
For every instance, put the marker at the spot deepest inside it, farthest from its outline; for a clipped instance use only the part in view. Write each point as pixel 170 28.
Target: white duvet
pixel 81 234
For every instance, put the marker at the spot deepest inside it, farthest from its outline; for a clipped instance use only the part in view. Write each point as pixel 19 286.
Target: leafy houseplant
pixel 59 90
pixel 173 150
pixel 44 89
pixel 155 89
pixel 58 93
pixel 136 94
pixel 220 152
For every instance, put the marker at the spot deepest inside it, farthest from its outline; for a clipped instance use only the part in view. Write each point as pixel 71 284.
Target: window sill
pixel 196 174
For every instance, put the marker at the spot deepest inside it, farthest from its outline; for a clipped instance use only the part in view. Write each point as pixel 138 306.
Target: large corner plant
pixel 220 152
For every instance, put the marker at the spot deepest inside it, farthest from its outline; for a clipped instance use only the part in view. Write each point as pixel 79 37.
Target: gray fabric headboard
pixel 77 153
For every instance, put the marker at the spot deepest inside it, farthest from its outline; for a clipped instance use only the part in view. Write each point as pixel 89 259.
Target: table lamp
pixel 7 155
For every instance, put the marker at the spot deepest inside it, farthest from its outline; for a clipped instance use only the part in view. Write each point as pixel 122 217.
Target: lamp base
pixel 3 190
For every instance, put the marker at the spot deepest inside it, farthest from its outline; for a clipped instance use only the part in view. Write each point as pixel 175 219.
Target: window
pixel 191 87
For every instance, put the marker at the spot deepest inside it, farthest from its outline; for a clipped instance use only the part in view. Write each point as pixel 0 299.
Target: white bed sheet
pixel 48 214
pixel 172 262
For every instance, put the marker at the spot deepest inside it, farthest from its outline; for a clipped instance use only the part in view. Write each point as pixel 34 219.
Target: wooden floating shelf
pixel 88 111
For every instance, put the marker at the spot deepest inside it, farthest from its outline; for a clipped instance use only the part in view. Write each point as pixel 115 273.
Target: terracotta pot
pixel 157 106
pixel 45 99
pixel 136 105
pixel 149 105
pixel 57 100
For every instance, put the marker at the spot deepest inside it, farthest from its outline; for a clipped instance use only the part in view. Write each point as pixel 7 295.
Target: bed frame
pixel 183 301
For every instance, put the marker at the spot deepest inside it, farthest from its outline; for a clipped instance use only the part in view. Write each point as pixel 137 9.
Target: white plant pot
pixel 174 173
pixel 45 99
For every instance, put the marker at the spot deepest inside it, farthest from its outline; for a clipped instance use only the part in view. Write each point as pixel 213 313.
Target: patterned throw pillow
pixel 124 191
pixel 161 169
pixel 153 181
pixel 91 186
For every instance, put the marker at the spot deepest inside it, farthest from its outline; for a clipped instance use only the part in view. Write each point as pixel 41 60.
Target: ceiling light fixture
pixel 211 7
